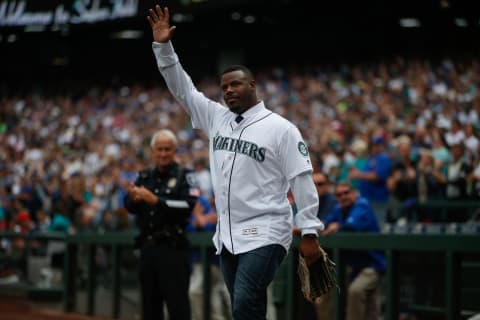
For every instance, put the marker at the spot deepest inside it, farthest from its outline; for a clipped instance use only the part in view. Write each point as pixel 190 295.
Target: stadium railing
pixel 460 256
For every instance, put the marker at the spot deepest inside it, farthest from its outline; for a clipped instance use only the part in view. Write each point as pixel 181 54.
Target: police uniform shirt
pixel 175 187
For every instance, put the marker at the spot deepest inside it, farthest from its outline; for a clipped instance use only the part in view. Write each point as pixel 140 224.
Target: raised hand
pixel 159 20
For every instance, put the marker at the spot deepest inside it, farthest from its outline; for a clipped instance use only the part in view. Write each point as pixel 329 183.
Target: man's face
pixel 404 149
pixel 376 148
pixel 457 151
pixel 345 195
pixel 163 152
pixel 238 91
pixel 321 184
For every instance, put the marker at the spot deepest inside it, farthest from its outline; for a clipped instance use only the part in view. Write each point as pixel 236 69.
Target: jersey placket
pixel 228 172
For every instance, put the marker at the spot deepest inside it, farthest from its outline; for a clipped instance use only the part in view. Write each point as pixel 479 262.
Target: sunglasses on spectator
pixel 320 183
pixel 342 193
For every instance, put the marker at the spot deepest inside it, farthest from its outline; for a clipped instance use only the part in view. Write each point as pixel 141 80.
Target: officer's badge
pixel 172 182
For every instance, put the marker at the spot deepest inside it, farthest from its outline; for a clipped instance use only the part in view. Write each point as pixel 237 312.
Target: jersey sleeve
pixel 201 109
pixel 293 152
pixel 306 199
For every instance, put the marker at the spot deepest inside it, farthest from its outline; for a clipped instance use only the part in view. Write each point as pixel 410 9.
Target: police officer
pixel 162 199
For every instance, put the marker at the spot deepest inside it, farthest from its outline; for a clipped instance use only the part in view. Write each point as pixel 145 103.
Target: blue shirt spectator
pixel 194 224
pixel 326 200
pixel 373 177
pixel 354 213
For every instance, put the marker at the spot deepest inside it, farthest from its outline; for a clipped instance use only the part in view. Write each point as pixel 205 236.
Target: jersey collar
pixel 252 113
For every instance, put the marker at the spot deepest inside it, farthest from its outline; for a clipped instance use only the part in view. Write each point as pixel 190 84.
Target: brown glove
pixel 315 270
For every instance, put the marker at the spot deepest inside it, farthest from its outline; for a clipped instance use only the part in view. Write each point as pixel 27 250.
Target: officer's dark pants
pixel 164 277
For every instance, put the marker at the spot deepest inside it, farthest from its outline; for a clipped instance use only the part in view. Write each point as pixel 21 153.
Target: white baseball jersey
pixel 252 164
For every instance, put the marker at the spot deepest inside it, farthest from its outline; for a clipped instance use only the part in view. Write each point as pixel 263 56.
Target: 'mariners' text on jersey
pixel 235 145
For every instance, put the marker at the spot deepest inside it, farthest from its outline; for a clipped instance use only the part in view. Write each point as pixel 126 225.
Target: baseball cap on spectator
pixel 23 216
pixel 378 140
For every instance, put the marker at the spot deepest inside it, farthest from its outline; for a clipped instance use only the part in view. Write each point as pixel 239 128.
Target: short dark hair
pixel 324 175
pixel 238 67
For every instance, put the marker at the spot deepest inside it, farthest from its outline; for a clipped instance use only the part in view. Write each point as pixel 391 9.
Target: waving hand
pixel 159 20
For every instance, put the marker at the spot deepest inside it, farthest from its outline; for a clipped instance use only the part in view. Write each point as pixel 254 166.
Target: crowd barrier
pixel 460 258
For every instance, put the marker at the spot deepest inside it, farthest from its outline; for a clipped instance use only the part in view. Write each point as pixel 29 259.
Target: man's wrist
pixel 309 235
pixel 312 231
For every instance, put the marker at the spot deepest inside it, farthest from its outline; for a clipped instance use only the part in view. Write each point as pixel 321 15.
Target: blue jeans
pixel 247 276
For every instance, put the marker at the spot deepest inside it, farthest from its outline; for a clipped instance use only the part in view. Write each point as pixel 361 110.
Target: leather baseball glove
pixel 316 272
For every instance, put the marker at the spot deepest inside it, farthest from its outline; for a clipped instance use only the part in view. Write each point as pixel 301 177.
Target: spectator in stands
pixel 440 152
pixel 402 183
pixel 455 135
pixel 471 143
pixel 458 170
pixel 421 138
pixel 326 198
pixel 3 220
pixel 354 214
pixel 475 178
pixel 430 184
pixel 373 177
pixel 203 177
pixel 332 159
pixel 356 158
pixel 43 222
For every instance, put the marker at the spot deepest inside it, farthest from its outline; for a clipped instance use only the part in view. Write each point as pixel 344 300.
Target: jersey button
pixel 151 225
pixel 152 213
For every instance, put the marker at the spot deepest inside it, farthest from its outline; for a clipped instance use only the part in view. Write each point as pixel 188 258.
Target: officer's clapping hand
pixel 140 193
pixel 133 192
pixel 147 196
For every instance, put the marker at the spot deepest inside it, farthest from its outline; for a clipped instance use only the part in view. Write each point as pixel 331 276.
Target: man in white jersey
pixel 256 156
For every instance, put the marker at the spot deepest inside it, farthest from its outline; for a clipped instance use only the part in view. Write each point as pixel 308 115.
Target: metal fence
pixel 455 251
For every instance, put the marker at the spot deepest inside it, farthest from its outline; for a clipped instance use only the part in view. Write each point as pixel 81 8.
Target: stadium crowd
pixel 67 158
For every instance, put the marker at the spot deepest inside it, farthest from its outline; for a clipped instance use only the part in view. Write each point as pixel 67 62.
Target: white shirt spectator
pixel 454 137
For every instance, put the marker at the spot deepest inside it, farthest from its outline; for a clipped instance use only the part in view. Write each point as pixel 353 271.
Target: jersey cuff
pixel 309 231
pixel 299 172
pixel 164 54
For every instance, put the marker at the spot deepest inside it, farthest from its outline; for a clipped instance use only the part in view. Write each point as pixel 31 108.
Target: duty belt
pixel 173 236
